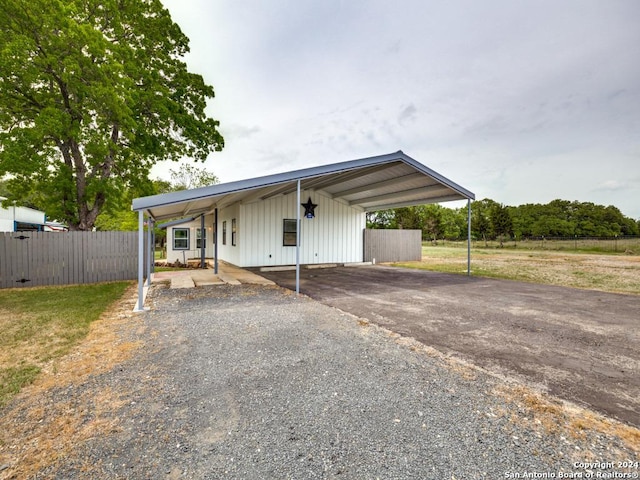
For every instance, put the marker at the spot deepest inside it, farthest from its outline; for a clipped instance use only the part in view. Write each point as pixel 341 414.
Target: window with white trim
pixel 181 239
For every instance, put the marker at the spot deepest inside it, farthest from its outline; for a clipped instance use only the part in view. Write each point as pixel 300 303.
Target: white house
pixel 262 232
pixel 17 219
pixel 255 222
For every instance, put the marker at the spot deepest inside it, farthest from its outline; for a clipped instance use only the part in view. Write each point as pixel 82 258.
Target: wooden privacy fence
pixel 392 245
pixel 63 258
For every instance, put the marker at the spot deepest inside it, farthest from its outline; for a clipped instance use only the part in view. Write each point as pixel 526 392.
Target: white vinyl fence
pixel 62 258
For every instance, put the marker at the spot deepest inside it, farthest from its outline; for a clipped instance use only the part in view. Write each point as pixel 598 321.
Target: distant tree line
pixel 491 220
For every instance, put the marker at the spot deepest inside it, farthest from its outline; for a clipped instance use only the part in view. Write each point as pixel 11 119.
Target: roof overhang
pixel 178 221
pixel 374 183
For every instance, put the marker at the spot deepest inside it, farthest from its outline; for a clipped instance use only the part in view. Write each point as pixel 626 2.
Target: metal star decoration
pixel 309 208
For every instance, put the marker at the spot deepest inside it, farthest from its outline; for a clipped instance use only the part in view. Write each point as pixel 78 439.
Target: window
pixel 289 232
pixel 224 232
pixel 181 239
pixel 199 243
pixel 233 232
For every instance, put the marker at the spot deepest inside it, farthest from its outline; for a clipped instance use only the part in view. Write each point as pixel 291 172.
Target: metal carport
pixel 374 183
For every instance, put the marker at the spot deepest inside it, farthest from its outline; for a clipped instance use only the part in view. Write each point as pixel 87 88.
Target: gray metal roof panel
pixel 374 169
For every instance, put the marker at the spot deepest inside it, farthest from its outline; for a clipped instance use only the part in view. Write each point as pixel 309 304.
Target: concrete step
pixel 182 281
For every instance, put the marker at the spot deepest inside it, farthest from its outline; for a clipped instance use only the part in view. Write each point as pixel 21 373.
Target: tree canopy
pixel 117 214
pixel 189 176
pixel 491 220
pixel 92 94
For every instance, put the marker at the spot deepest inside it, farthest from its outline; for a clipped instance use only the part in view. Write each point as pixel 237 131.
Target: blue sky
pixel 519 101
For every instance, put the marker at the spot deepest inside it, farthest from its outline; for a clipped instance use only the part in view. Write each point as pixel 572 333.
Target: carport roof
pixel 373 183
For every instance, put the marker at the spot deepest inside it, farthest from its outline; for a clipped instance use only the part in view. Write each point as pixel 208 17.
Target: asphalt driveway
pixel 580 345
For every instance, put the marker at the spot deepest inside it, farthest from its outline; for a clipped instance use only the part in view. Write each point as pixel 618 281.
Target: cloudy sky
pixel 521 101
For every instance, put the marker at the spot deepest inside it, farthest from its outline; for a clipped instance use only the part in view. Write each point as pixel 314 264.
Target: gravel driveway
pixel 250 382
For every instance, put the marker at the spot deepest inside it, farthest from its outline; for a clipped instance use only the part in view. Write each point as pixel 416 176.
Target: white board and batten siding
pixel 226 250
pixel 334 235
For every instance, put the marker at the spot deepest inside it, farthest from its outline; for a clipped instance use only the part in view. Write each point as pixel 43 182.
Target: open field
pixel 604 272
pixel 612 245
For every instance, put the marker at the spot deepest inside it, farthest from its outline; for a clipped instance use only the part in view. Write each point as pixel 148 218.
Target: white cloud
pixel 516 101
pixel 613 185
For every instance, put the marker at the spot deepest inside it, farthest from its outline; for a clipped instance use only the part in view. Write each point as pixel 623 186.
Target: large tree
pixel 186 177
pixel 501 222
pixel 481 224
pixel 92 94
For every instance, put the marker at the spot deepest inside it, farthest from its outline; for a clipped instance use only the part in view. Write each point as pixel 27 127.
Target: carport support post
pixel 140 306
pixel 153 245
pixel 298 240
pixel 215 241
pixel 468 237
pixel 149 250
pixel 202 242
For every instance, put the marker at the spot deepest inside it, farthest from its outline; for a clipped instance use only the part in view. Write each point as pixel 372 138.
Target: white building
pixel 262 232
pixel 17 219
pixel 254 222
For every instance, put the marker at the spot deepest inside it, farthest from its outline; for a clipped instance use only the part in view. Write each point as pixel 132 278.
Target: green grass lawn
pixel 41 324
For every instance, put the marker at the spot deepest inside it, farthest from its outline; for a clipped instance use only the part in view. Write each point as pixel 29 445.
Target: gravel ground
pixel 249 382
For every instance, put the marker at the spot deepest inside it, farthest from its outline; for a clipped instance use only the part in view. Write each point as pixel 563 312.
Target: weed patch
pixel 12 379
pixel 544 411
